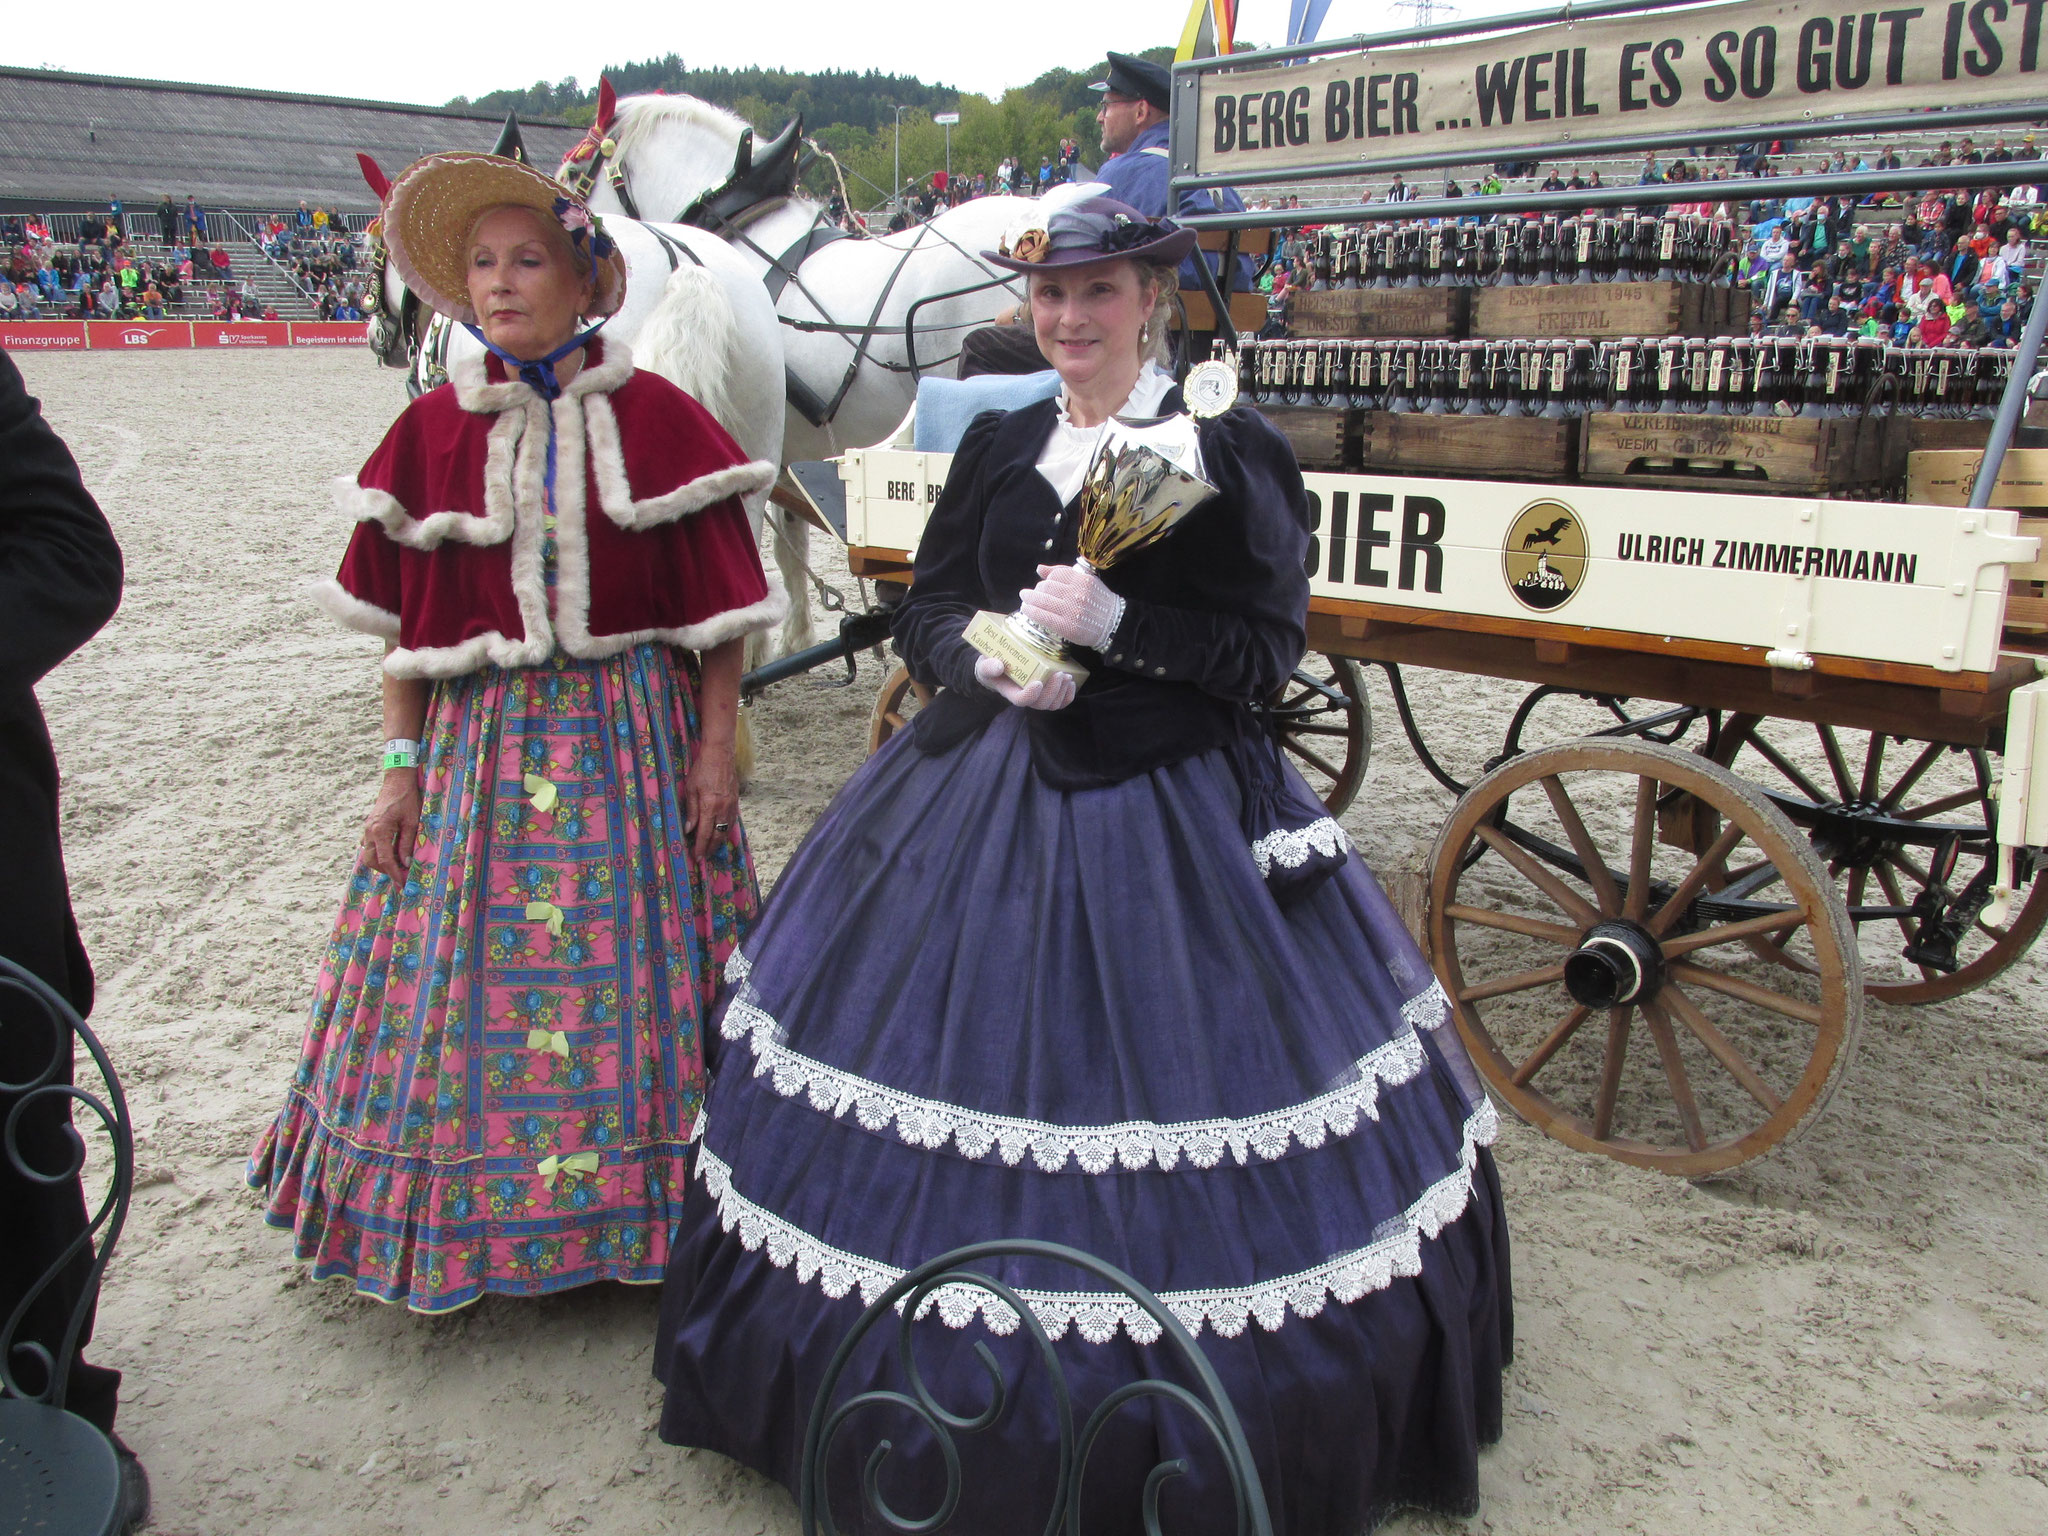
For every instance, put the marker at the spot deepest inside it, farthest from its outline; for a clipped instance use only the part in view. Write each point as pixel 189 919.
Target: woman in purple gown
pixel 1031 976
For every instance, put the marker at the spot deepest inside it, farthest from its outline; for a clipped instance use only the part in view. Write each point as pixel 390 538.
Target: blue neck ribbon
pixel 538 373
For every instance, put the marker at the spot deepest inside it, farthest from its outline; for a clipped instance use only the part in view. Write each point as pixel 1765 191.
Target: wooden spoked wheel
pixel 1604 994
pixel 1852 791
pixel 895 707
pixel 1325 722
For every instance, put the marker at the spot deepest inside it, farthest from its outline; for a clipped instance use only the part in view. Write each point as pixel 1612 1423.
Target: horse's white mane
pixel 641 117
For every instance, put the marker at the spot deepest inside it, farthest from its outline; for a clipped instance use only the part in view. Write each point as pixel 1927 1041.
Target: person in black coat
pixel 60 581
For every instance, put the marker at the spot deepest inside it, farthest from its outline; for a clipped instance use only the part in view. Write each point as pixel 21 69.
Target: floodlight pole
pixel 896 183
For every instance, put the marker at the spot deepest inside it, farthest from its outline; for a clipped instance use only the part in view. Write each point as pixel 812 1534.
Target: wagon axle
pixel 1617 962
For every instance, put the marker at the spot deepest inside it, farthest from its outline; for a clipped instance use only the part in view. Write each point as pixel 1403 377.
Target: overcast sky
pixel 431 50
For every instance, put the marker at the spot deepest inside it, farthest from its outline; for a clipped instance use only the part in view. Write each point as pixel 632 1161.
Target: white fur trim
pixel 515 488
pixel 615 493
pixel 350 611
pixel 572 561
pixel 369 505
pixel 453 660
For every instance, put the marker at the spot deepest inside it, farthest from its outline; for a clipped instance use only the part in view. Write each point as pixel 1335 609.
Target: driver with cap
pixel 1133 119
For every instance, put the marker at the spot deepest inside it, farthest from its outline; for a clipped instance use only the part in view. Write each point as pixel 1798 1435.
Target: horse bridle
pixel 597 156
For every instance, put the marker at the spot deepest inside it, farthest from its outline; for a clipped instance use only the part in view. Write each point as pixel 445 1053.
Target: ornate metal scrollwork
pixel 45 1093
pixel 912 1296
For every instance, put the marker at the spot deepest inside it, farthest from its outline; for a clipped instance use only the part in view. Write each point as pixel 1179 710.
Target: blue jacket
pixel 1139 175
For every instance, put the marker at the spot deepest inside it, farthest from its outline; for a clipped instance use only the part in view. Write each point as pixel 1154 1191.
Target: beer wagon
pixel 1657 934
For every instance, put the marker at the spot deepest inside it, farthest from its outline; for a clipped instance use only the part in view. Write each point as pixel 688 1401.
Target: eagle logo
pixel 1543 557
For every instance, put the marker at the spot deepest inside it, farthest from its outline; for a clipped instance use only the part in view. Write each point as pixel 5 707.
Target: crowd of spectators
pixel 114 267
pixel 1951 268
pixel 98 275
pixel 318 251
pixel 923 197
pixel 1952 271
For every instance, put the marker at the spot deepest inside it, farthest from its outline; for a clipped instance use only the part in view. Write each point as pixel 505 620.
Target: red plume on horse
pixel 374 175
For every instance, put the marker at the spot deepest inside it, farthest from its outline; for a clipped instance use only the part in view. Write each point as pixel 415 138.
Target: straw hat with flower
pixel 435 202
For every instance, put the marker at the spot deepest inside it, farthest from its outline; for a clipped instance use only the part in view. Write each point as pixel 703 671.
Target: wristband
pixel 401 752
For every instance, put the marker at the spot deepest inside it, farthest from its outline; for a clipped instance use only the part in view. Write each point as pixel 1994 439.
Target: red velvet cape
pixel 652 542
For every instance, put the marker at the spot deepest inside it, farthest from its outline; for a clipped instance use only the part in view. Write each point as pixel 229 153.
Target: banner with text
pixel 43 336
pixel 1719 66
pixel 329 333
pixel 115 335
pixel 242 333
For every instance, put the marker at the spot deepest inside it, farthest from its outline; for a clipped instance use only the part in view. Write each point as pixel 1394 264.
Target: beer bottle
pixel 1670 354
pixel 1378 258
pixel 1624 250
pixel 1336 381
pixel 1620 373
pixel 1804 384
pixel 1508 267
pixel 1546 253
pixel 1401 398
pixel 1714 389
pixel 1358 366
pixel 1567 251
pixel 1248 370
pixel 1352 240
pixel 1666 235
pixel 1866 374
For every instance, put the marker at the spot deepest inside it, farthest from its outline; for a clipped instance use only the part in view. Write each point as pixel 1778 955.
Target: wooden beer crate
pixel 2026 602
pixel 1943 477
pixel 1772 455
pixel 1609 311
pixel 1471 447
pixel 1380 312
pixel 1323 437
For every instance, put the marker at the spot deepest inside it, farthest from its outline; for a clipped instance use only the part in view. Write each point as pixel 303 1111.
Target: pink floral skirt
pixel 504 1061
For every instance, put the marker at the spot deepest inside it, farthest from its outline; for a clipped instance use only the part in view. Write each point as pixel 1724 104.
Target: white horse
pixel 696 314
pixel 862 318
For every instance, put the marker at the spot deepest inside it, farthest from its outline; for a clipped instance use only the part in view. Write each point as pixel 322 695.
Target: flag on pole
pixel 1305 19
pixel 1212 28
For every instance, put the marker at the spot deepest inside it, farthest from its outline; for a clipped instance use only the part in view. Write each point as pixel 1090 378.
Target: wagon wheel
pixel 895 707
pixel 1701 1056
pixel 1325 722
pixel 1849 790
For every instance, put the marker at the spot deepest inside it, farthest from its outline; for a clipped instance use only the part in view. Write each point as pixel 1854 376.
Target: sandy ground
pixel 1849 1336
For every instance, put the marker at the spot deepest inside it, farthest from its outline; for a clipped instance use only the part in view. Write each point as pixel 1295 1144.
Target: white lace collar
pixel 1154 385
pixel 1069 449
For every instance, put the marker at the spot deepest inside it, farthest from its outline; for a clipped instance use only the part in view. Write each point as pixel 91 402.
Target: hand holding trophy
pixel 1143 480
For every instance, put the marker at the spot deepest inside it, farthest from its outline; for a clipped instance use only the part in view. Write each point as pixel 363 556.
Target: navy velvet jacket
pixel 1215 613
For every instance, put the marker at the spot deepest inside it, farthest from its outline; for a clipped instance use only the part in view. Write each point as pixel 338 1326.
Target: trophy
pixel 1142 481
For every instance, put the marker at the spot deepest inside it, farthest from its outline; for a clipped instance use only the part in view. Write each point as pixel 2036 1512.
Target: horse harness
pixel 754 188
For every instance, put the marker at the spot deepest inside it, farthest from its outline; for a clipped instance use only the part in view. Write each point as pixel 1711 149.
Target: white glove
pixel 1054 692
pixel 1075 605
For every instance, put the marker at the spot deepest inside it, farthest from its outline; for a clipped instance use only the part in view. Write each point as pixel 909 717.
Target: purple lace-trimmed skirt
pixel 980 1008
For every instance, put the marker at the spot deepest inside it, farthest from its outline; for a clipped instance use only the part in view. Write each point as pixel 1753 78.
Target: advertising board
pixel 43 336
pixel 134 335
pixel 243 333
pixel 1704 68
pixel 328 333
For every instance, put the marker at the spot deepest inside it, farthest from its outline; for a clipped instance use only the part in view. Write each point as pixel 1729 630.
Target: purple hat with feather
pixel 1091 229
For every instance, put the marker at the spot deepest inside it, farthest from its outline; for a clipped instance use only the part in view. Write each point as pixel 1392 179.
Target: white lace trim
pixel 931 1123
pixel 1291 849
pixel 1098 1315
